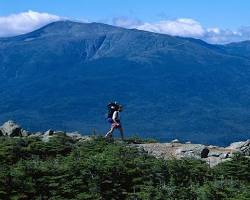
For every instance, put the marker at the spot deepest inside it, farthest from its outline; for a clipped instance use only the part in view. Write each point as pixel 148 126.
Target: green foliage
pixel 61 169
pixel 186 172
pixel 138 140
pixel 238 168
pixel 224 189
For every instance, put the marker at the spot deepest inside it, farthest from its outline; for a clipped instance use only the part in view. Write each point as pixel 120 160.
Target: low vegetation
pixel 63 169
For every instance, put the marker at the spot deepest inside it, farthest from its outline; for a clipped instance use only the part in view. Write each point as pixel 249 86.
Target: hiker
pixel 115 120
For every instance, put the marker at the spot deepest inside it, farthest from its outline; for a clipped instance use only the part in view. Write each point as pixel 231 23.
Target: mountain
pixel 241 49
pixel 63 75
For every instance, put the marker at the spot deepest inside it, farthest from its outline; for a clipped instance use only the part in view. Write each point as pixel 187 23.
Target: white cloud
pixel 222 36
pixel 126 22
pixel 24 22
pixel 186 27
pixel 180 27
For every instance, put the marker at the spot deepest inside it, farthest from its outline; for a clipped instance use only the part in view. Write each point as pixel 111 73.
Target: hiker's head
pixel 114 106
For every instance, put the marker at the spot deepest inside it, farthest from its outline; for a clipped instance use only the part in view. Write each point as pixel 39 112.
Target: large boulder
pixel 11 129
pixel 205 152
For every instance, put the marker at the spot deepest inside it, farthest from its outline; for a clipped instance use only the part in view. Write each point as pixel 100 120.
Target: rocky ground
pixel 174 149
pixel 213 155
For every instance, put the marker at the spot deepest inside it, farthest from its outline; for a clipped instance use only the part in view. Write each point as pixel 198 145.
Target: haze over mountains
pixel 63 75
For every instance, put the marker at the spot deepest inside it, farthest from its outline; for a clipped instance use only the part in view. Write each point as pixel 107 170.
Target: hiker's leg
pixel 109 134
pixel 122 132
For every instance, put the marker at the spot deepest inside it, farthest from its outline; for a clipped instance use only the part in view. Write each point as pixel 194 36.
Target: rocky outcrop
pixel 11 129
pixel 213 155
pixel 242 147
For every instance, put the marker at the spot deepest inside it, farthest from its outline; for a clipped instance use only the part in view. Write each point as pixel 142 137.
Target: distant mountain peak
pixel 67 24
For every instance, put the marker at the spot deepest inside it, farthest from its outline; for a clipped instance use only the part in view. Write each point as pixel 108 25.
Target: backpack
pixel 112 107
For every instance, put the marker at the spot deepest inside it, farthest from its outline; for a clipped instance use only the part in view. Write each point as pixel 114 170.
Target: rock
pixel 243 147
pixel 1 133
pixel 49 132
pixel 175 141
pixel 247 143
pixel 25 133
pixel 11 129
pixel 190 150
pixel 46 138
pixel 212 147
pixel 213 161
pixel 86 138
pixel 188 142
pixel 236 145
pixel 225 155
pixel 74 135
pixel 59 133
pixel 204 152
pixel 246 151
pixel 37 134
pixel 214 154
pixel 162 150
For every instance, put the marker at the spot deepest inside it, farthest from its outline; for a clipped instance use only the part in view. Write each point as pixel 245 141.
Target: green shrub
pixel 98 169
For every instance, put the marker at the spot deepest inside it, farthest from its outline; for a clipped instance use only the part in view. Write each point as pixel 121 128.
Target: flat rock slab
pixel 178 150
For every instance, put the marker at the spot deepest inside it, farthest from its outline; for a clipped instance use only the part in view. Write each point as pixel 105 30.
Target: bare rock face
pixel 11 129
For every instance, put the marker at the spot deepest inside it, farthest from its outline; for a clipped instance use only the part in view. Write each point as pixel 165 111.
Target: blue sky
pixel 223 15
